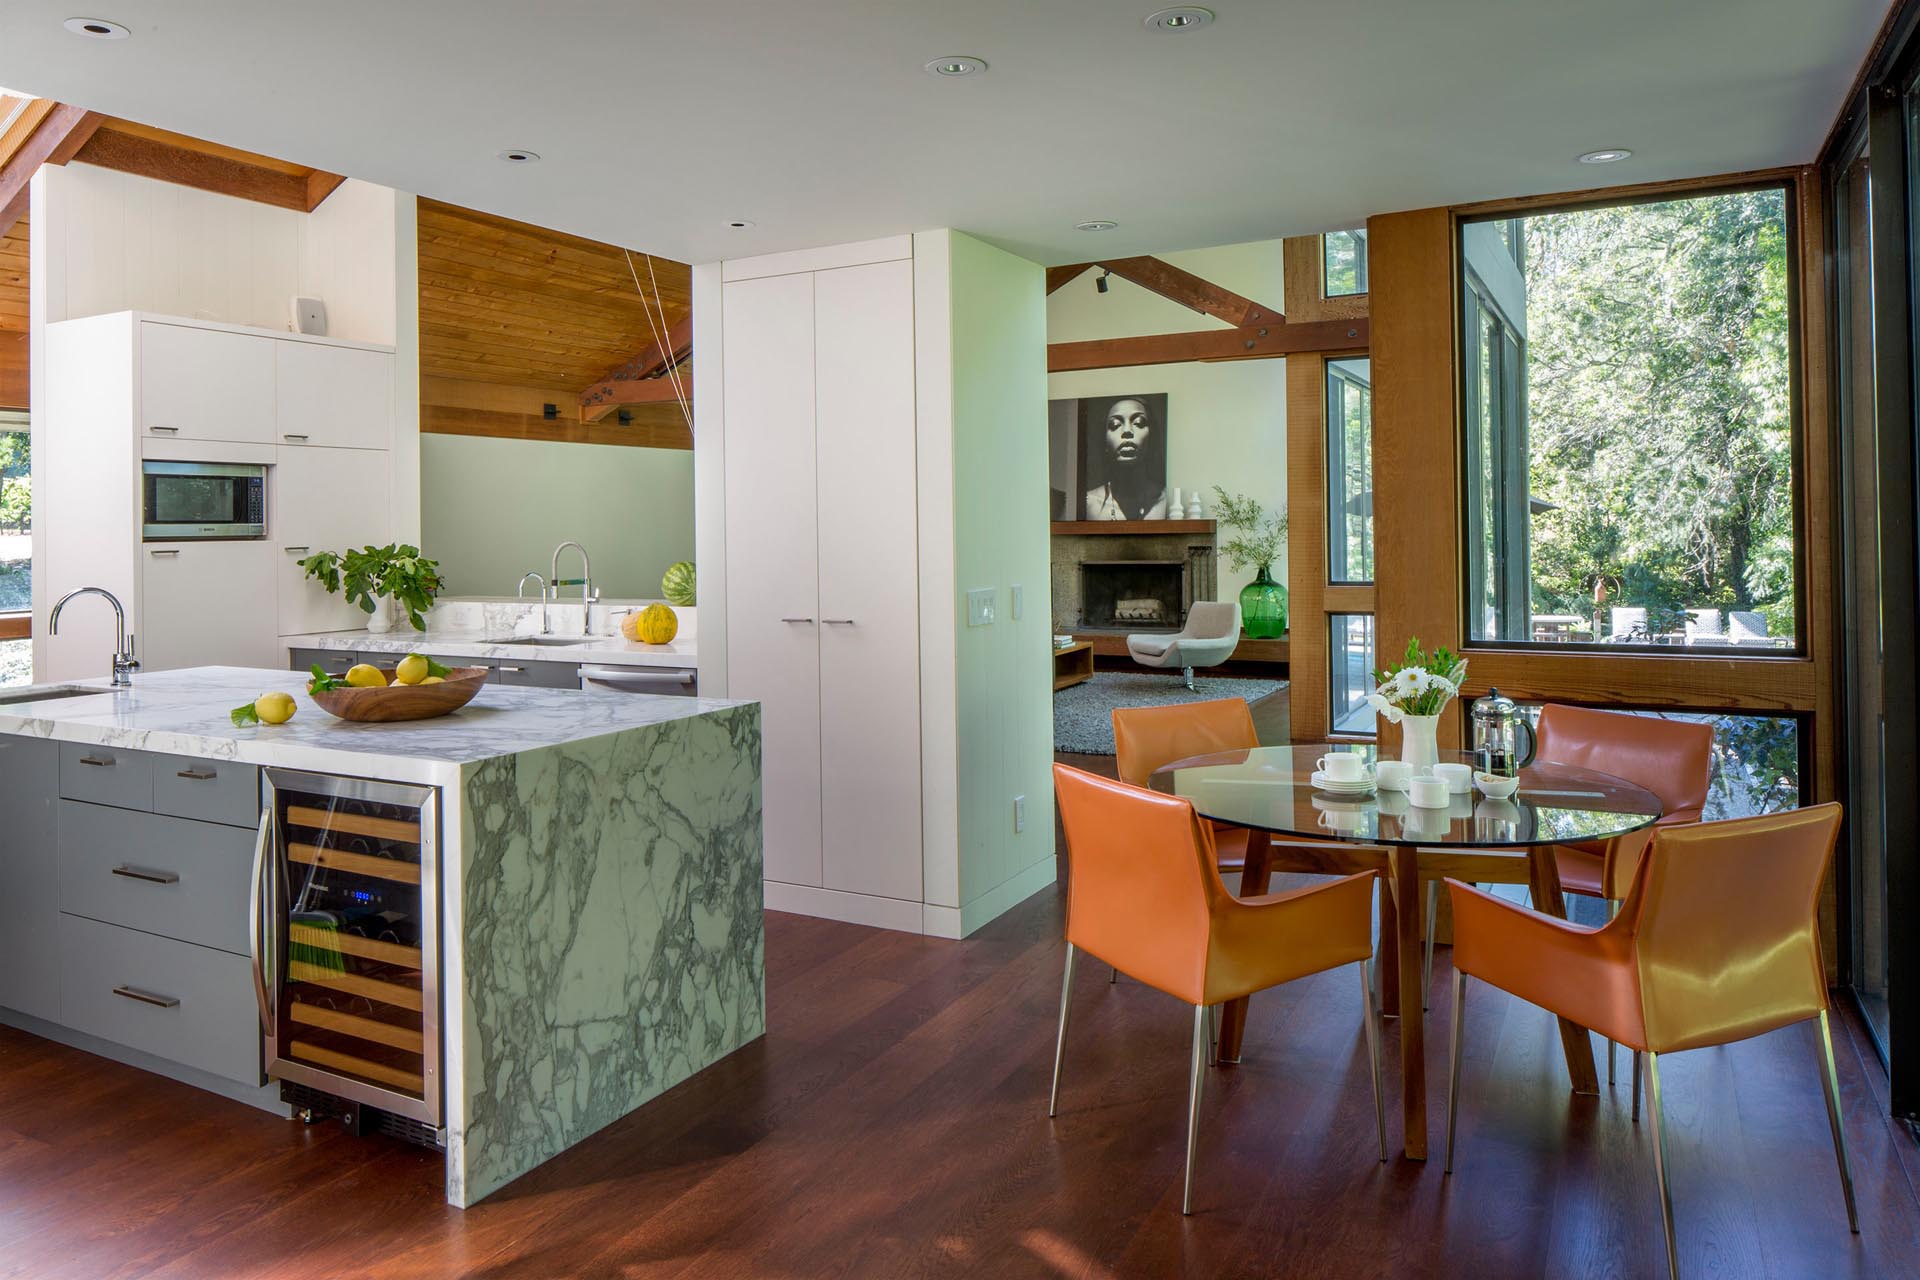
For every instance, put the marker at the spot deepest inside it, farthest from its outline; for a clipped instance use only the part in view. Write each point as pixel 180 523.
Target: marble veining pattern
pixel 609 908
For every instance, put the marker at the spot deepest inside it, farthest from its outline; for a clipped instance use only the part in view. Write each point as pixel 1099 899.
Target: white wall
pixel 1227 422
pixel 492 509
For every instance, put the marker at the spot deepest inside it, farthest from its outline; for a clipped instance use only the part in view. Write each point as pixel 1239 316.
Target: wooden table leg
pixel 1253 881
pixel 1388 957
pixel 1543 875
pixel 1404 864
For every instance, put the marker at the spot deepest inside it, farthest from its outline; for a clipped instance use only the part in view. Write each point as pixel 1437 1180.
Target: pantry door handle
pixel 151 877
pixel 796 619
pixel 147 997
pixel 838 622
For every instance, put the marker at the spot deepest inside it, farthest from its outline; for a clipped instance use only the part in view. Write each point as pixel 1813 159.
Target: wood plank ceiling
pixel 515 318
pixel 13 317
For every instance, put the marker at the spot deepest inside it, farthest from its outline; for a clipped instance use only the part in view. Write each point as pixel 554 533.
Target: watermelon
pixel 677 585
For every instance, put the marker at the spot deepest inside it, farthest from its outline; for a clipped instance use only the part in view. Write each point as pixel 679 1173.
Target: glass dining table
pixel 1297 828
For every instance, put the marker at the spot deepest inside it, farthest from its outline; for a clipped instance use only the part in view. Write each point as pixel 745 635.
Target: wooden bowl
pixel 403 701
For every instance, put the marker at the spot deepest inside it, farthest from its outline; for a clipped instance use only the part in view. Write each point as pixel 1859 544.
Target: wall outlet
pixel 980 607
pixel 1018 600
pixel 1019 814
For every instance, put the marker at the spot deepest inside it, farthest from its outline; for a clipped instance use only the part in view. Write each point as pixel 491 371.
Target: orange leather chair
pixel 1717 941
pixel 1146 738
pixel 1144 895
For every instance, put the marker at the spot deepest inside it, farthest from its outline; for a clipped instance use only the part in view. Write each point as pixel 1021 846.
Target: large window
pixel 1350 470
pixel 1627 416
pixel 16 547
pixel 1344 263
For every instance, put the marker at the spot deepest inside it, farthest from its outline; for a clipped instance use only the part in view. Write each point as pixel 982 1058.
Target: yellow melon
pixel 655 624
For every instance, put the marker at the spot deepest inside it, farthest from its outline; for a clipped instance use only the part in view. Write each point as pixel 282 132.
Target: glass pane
pixel 1756 761
pixel 1628 417
pixel 1345 260
pixel 1350 470
pixel 16 544
pixel 1350 658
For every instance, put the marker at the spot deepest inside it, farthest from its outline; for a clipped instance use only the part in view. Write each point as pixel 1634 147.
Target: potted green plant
pixel 1257 541
pixel 377 579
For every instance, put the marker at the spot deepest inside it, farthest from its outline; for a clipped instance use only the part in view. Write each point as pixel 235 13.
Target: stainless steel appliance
pixel 202 500
pixel 670 682
pixel 345 932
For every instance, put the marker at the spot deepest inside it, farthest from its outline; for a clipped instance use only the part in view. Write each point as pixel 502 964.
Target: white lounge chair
pixel 1211 635
pixel 1746 626
pixel 1704 627
pixel 1625 622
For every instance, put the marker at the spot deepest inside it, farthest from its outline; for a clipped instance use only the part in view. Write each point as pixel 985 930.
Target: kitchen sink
pixel 10 696
pixel 558 642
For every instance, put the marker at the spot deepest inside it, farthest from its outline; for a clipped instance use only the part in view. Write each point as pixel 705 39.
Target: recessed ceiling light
pixel 519 155
pixel 739 224
pixel 1095 224
pixel 960 65
pixel 96 28
pixel 1181 19
pixel 1607 155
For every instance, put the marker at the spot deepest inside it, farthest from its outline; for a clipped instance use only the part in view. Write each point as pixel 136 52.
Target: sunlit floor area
pixel 893 1122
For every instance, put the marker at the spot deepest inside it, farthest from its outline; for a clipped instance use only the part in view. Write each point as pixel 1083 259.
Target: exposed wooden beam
pixel 1057 276
pixel 1250 342
pixel 320 185
pixel 61 132
pixel 1190 290
pixel 192 162
pixel 640 380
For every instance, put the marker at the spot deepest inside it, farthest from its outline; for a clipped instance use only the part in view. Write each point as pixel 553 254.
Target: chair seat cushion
pixel 1155 645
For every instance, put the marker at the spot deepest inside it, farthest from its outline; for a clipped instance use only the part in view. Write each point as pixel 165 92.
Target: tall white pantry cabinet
pixel 126 387
pixel 822 587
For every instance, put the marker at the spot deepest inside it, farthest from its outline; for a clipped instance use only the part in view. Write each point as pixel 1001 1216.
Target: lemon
pixel 434 680
pixel 413 669
pixel 274 708
pixel 363 676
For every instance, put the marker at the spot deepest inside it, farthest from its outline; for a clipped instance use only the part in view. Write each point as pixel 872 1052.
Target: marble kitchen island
pixel 599 880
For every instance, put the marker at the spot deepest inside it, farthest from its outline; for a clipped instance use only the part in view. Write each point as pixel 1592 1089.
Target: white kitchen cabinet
pixel 325 500
pixel 822 587
pixel 205 384
pixel 333 396
pixel 206 604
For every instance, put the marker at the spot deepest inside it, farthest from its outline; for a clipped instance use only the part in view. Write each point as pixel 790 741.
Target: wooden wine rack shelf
pixel 354 984
pixel 353 944
pixel 360 1028
pixel 358 824
pixel 363 864
pixel 367 1069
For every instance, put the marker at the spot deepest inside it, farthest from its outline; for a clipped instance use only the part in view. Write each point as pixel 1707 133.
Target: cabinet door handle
pixel 256 909
pixel 98 762
pixel 164 551
pixel 197 775
pixel 796 619
pixel 151 877
pixel 172 431
pixel 838 622
pixel 293 550
pixel 148 997
pixel 515 670
pixel 291 435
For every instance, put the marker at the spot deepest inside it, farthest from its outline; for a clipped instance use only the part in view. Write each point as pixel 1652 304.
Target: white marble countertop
pixel 186 713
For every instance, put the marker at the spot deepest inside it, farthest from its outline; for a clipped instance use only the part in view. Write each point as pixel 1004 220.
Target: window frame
pixel 1799 463
pixel 1360 273
pixel 1337 428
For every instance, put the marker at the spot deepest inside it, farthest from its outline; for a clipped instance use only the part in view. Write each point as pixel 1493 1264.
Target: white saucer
pixel 1346 787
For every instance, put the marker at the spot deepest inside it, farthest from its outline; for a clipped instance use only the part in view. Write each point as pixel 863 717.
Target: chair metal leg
pixel 1197 1078
pixel 1186 674
pixel 1213 1035
pixel 1372 1014
pixel 1660 1160
pixel 1113 976
pixel 1433 919
pixel 1636 1086
pixel 1832 1080
pixel 1453 1061
pixel 1060 1041
pixel 1613 905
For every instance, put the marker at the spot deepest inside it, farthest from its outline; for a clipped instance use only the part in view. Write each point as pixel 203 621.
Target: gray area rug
pixel 1083 713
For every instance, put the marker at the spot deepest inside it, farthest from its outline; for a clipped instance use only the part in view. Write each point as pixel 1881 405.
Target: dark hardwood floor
pixel 893 1123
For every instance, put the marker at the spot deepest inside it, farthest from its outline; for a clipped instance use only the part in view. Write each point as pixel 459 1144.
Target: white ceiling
pixel 813 118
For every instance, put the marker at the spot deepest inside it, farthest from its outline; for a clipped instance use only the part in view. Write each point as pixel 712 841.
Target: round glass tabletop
pixel 1269 789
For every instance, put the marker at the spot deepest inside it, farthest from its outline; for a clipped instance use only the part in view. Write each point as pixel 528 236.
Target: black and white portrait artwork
pixel 1123 457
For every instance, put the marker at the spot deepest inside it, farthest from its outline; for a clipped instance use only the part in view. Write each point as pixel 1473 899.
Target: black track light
pixel 1101 283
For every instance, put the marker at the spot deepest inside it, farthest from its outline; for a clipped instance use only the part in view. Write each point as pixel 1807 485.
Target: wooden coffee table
pixel 1072 665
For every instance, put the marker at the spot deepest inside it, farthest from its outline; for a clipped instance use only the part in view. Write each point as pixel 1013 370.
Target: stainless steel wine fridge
pixel 345 931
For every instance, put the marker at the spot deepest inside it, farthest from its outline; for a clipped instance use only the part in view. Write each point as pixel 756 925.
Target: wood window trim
pixel 16 626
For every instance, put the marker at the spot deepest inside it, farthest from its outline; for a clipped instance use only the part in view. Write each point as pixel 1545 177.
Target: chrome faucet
pixel 520 593
pixel 585 582
pixel 124 663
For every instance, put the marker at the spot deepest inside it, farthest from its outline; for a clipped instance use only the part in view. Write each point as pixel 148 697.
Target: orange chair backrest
pixel 1141 880
pixel 1724 919
pixel 1671 758
pixel 1145 738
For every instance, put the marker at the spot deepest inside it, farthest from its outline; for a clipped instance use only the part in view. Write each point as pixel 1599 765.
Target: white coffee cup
pixel 1458 777
pixel 1341 766
pixel 1392 775
pixel 1429 792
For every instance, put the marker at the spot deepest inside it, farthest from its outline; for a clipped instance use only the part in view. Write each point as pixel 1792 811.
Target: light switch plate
pixel 980 607
pixel 1019 814
pixel 1017 600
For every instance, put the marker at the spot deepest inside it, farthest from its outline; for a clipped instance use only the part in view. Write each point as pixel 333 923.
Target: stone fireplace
pixel 1135 595
pixel 1100 576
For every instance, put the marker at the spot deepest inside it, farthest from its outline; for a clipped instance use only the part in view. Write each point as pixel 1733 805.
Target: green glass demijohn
pixel 1263 606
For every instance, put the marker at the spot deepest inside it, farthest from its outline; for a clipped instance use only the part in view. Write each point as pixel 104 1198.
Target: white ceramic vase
pixel 380 621
pixel 1420 742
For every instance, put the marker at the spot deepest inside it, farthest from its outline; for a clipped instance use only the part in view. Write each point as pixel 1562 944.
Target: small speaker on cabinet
pixel 310 317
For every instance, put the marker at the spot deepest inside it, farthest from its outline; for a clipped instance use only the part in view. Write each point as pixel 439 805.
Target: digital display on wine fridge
pixel 348 947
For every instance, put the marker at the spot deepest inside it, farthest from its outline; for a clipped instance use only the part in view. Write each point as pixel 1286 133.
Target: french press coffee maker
pixel 1498 728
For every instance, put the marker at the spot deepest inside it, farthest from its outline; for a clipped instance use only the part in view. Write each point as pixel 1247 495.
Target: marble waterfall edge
pixel 610 925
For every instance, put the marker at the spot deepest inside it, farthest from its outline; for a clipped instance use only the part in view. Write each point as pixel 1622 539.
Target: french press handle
pixel 1533 742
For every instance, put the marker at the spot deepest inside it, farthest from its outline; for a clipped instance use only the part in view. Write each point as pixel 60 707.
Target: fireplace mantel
pixel 1140 527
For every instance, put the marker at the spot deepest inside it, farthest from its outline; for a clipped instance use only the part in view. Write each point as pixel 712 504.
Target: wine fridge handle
pixel 257 909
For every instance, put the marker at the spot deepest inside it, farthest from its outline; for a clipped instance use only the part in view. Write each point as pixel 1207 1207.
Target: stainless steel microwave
pixel 203 500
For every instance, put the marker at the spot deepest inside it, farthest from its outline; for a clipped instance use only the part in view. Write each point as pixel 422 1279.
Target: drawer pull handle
pixel 516 670
pixel 197 775
pixel 290 435
pixel 294 550
pixel 97 762
pixel 164 551
pixel 151 877
pixel 172 431
pixel 147 997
